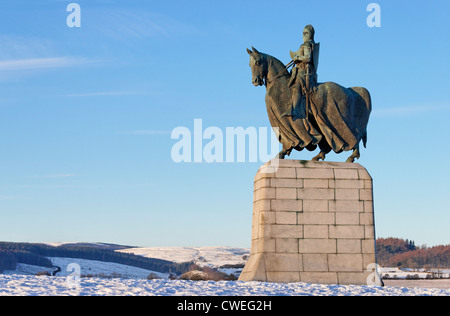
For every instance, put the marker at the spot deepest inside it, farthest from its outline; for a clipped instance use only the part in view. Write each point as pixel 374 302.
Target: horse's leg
pixel 321 155
pixel 356 154
pixel 284 152
pixel 324 149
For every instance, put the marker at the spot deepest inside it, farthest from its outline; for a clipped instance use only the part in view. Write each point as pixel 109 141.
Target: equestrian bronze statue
pixel 305 113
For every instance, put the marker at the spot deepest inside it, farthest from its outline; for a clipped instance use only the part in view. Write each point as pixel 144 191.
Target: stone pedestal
pixel 313 222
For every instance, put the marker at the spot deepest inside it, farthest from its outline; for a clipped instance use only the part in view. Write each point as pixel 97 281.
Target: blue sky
pixel 86 114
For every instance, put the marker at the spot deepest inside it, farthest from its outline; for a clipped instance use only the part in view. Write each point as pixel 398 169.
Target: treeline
pixel 396 252
pixel 10 259
pixel 37 254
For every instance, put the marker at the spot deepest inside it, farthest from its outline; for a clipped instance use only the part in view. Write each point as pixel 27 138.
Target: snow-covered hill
pixel 225 259
pixel 204 256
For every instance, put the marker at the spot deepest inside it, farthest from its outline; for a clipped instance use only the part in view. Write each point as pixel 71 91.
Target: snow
pixel 26 285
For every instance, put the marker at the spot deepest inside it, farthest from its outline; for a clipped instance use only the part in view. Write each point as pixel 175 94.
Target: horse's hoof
pixel 350 160
pixel 319 157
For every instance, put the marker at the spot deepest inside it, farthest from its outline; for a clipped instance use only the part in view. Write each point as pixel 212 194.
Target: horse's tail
pixel 364 139
pixel 365 95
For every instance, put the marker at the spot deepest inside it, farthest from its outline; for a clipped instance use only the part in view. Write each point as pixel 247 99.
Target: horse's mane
pixel 276 64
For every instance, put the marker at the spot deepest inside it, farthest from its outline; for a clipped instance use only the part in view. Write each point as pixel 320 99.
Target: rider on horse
pixel 304 74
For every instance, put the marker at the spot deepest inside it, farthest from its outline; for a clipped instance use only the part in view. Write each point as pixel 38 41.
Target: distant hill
pixel 37 254
pixel 397 252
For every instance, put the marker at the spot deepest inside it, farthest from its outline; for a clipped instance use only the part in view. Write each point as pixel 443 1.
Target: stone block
pixel 366 218
pixel 286 205
pixel 262 183
pixel 286 173
pixel 368 206
pixel 346 231
pixel 286 245
pixel 349 184
pixel 265 194
pixel 263 205
pixel 348 278
pixel 316 218
pixel 315 231
pixel 284 262
pixel 344 218
pixel 348 206
pixel 365 195
pixel 263 245
pixel 345 262
pixel 346 174
pixel 363 174
pixel 324 246
pixel 315 262
pixel 315 206
pixel 368 246
pixel 283 277
pixel 286 231
pixel 286 193
pixel 316 183
pixel 267 218
pixel 286 183
pixel 315 194
pixel 347 194
pixel 286 218
pixel 313 173
pixel 349 246
pixel 319 277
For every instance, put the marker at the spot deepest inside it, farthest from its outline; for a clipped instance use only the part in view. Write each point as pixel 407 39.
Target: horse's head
pixel 258 65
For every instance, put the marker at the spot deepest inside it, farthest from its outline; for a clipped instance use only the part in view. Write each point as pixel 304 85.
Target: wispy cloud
pixel 409 110
pixel 41 63
pixel 11 198
pixel 124 23
pixel 103 94
pixel 54 176
pixel 146 132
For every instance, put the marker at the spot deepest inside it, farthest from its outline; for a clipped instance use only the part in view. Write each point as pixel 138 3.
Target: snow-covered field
pixel 25 285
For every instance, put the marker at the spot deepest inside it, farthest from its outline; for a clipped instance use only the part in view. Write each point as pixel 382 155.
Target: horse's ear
pixel 249 52
pixel 255 50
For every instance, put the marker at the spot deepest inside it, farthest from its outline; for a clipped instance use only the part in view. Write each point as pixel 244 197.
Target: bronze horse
pixel 337 117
